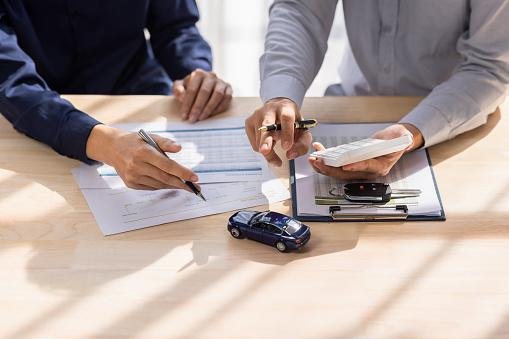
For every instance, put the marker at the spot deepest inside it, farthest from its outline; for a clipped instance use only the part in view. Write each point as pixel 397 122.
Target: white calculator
pixel 361 150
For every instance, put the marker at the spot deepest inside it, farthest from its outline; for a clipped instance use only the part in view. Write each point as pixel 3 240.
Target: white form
pixel 120 210
pixel 411 171
pixel 217 150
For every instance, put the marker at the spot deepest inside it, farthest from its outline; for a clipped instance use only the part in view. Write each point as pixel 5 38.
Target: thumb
pixel 318 146
pixel 166 144
pixel 179 90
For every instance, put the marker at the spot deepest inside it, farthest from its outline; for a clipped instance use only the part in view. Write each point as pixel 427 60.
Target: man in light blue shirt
pixel 456 53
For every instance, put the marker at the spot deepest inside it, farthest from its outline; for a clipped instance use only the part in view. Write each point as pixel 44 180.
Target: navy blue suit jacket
pixel 89 47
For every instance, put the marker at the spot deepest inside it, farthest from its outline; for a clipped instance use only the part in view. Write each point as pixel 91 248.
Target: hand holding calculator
pixel 361 150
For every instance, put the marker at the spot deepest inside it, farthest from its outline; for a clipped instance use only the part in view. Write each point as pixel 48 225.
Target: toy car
pixel 271 228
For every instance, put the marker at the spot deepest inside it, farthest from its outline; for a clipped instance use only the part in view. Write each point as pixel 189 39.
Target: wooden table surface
pixel 60 277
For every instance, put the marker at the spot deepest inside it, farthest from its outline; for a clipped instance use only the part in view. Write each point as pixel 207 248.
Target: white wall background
pixel 236 31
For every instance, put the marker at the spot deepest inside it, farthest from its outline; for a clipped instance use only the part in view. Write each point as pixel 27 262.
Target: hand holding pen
pixel 281 115
pixel 139 165
pixel 149 140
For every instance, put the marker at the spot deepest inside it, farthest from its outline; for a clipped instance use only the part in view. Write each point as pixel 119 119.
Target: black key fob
pixel 367 192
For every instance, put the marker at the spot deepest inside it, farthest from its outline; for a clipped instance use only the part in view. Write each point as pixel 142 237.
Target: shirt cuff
pixel 282 86
pixel 74 136
pixel 433 125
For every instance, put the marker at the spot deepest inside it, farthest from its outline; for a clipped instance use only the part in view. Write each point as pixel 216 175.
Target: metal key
pixel 376 192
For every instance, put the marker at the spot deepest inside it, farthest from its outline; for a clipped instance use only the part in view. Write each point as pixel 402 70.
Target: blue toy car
pixel 271 228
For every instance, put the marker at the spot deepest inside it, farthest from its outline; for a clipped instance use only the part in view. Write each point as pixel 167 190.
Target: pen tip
pixel 201 196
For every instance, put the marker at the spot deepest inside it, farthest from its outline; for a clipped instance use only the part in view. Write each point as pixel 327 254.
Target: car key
pixel 376 192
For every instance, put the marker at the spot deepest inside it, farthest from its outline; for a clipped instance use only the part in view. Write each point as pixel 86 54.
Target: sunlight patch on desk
pixel 484 190
pixel 5 175
pixel 164 300
pixel 36 200
pixel 227 299
pixel 26 197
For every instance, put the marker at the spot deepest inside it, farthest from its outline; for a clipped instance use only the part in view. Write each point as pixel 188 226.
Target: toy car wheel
pixel 235 232
pixel 281 247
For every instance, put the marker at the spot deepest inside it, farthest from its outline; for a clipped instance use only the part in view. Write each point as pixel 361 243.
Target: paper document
pixel 121 209
pixel 316 192
pixel 232 177
pixel 216 150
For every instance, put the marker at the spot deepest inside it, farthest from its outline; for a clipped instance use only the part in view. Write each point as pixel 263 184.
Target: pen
pixel 148 139
pixel 302 124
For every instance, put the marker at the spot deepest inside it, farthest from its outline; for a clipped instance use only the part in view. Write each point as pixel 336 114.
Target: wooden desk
pixel 59 277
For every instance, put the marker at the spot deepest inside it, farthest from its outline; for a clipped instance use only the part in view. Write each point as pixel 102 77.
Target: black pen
pixel 302 124
pixel 148 139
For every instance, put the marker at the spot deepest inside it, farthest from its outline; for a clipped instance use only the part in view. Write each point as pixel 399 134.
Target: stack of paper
pixel 232 177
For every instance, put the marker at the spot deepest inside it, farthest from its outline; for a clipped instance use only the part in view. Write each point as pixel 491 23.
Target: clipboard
pixel 335 215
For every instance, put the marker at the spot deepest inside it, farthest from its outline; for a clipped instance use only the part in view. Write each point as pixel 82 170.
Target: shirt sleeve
pixel 295 46
pixel 477 86
pixel 32 108
pixel 175 39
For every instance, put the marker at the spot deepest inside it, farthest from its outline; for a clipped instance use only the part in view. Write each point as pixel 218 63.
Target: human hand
pixel 138 164
pixel 372 168
pixel 294 141
pixel 201 95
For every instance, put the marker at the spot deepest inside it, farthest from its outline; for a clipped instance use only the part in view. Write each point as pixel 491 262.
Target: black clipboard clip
pixel 369 212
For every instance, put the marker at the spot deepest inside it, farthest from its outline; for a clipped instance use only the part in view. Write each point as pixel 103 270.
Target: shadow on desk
pixel 462 142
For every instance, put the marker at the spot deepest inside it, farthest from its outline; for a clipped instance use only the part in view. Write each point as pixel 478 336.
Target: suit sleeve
pixel 175 39
pixel 32 108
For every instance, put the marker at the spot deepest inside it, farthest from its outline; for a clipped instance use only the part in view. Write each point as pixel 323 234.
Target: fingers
pixel 273 159
pixel 166 144
pixel 251 132
pixel 283 111
pixel 318 146
pixel 171 167
pixel 367 169
pixel 149 155
pixel 266 146
pixel 179 91
pixel 370 165
pixel 265 139
pixel 204 93
pixel 139 186
pixel 192 83
pixel 142 175
pixel 214 101
pixel 287 117
pixel 151 169
pixel 219 101
pixel 142 166
pixel 379 167
pixel 154 177
pixel 226 102
pixel 338 172
pixel 301 145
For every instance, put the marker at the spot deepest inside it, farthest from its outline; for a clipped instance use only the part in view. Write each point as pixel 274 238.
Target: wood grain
pixel 59 277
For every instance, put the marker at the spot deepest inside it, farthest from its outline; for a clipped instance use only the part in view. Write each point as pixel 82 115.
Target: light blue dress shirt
pixel 454 52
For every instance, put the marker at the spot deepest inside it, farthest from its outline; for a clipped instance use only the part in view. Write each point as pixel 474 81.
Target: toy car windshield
pixel 292 226
pixel 257 217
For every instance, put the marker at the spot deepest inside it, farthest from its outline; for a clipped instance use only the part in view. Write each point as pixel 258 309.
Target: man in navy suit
pixel 100 47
